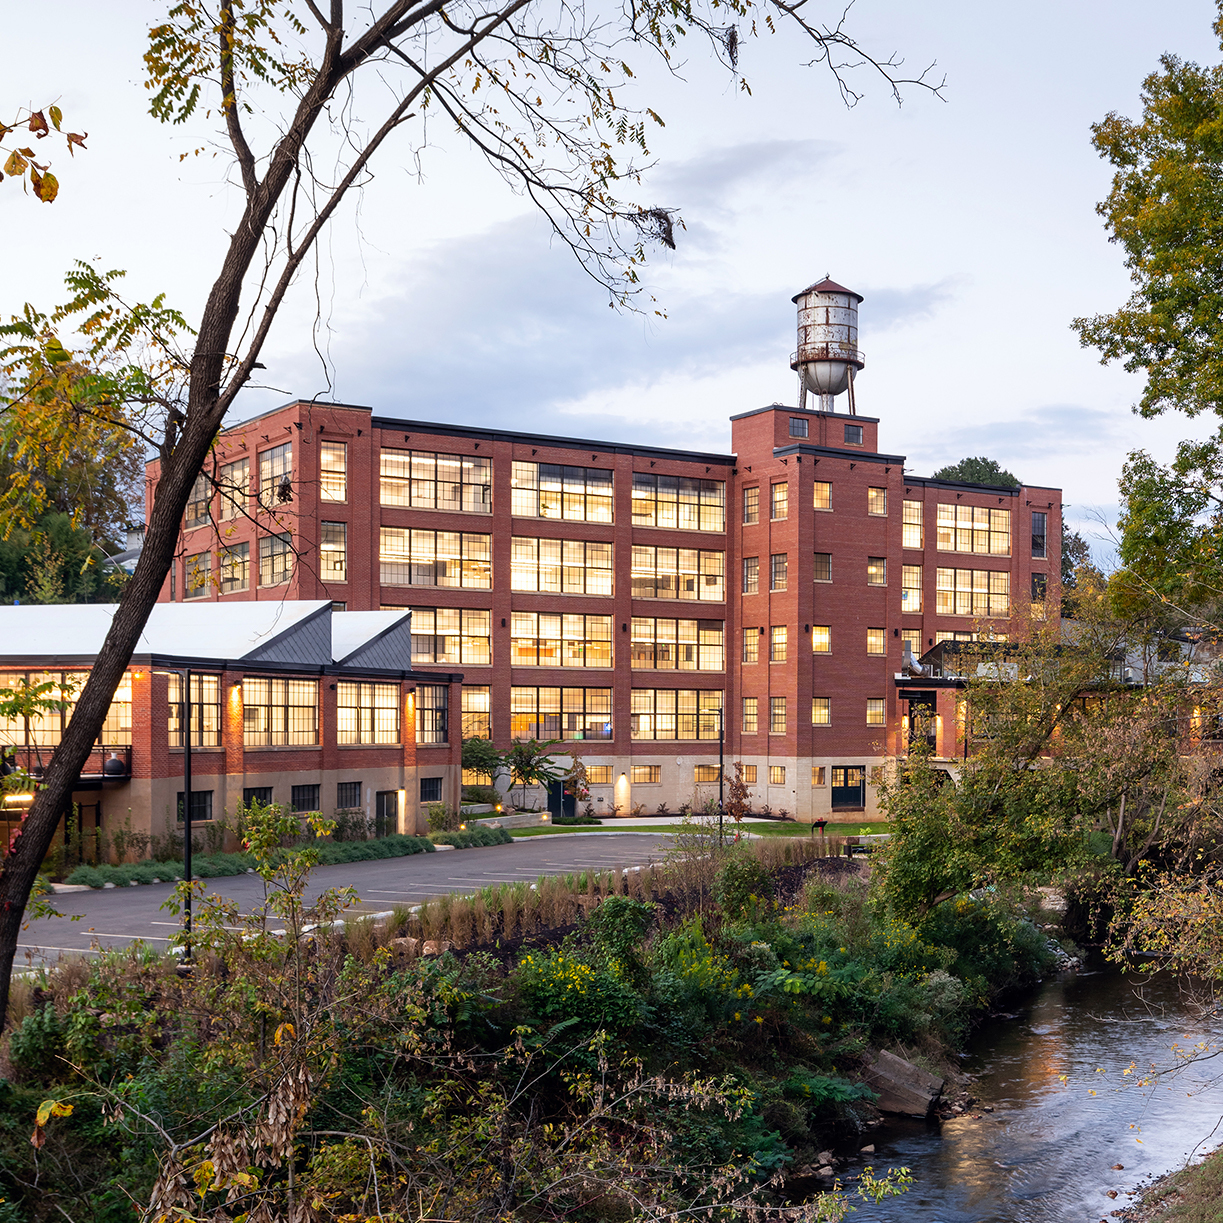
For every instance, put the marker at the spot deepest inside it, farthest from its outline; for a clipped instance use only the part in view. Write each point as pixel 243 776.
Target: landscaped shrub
pixel 481 794
pixel 442 818
pixel 472 838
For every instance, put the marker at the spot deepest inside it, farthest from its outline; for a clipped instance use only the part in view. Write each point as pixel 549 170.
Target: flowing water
pixel 1064 1110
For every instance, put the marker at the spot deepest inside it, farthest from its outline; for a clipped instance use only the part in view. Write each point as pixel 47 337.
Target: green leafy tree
pixel 531 763
pixel 978 471
pixel 480 756
pixel 56 563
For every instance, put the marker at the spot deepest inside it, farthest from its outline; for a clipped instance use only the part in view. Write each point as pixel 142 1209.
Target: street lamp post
pixel 185 721
pixel 721 769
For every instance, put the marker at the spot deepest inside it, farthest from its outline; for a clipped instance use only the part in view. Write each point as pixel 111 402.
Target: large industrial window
pixel 45 729
pixel 432 713
pixel 749 774
pixel 876 571
pixel 821 639
pixel 599 774
pixel 779 570
pixel 275 560
pixel 778 636
pixel 455 635
pixel 973 528
pixel 876 641
pixel 548 490
pixel 677 645
pixel 798 426
pixel 234 485
pixel 205 710
pixel 751 644
pixel 428 481
pixel 235 568
pixel 751 715
pixel 477 712
pixel 333 552
pixel 751 506
pixel 366 713
pixel 333 471
pixel 671 713
pixel 646 774
pixel 196 574
pixel 751 575
pixel 779 501
pixel 561 713
pixel 435 558
pixel 853 435
pixel 305 798
pixel 823 567
pixel 560 566
pixel 678 573
pixel 910 588
pixel 876 711
pixel 821 711
pixel 973 592
pixel 823 495
pixel 777 715
pixel 877 501
pixel 678 502
pixel 276 476
pixel 706 774
pixel 911 529
pixel 554 639
pixel 117 728
pixel 279 711
pixel 199 500
pixel 1040 534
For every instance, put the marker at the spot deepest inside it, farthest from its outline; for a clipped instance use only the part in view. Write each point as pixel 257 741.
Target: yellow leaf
pixel 286 1030
pixel 56 115
pixel 46 186
pixel 51 1108
pixel 15 164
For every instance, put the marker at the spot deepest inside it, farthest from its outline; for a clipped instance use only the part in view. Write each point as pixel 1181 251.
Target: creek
pixel 1064 1110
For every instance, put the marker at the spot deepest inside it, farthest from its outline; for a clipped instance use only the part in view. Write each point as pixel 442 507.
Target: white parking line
pixel 79 950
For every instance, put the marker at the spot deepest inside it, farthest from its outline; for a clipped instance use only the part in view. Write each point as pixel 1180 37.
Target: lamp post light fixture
pixel 185 722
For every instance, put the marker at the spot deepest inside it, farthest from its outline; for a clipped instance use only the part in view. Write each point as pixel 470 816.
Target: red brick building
pixel 633 601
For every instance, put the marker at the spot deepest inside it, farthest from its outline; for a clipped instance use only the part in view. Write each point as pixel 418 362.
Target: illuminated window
pixel 599 774
pixel 646 774
pixel 678 503
pixel 675 645
pixel 555 639
pixel 911 530
pixel 751 506
pixel 910 588
pixel 973 528
pixel 823 567
pixel 817 775
pixel 234 564
pixel 779 568
pixel 823 495
pixel 560 713
pixel 276 476
pixel 333 552
pixel 877 501
pixel 973 592
pixel 432 715
pixel 451 635
pixel 876 641
pixel 821 639
pixel 477 712
pixel 196 573
pixel 275 560
pixel 685 574
pixel 777 643
pixel 434 558
pixel 751 575
pixel 821 711
pixel 706 774
pixel 458 483
pixel 748 774
pixel 279 711
pixel 675 713
pixel 333 471
pixel 777 715
pixel 234 484
pixel 751 644
pixel 777 774
pixel 560 566
pixel 367 713
pixel 876 571
pixel 548 490
pixel 779 501
pixel 875 711
pixel 751 716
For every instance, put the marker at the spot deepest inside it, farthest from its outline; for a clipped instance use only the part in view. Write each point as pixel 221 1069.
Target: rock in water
pixel 902 1087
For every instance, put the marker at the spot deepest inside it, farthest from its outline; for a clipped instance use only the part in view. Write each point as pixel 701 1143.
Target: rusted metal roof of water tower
pixel 827 285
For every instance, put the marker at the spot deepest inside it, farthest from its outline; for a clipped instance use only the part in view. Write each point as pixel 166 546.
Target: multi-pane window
pixel 798 426
pixel 196 573
pixel 910 588
pixel 676 645
pixel 678 502
pixel 876 641
pixel 973 592
pixel 435 558
pixel 548 490
pixel 279 711
pixel 822 499
pixel 199 501
pixel 777 715
pixel 333 471
pixel 205 710
pixel 460 483
pixel 366 713
pixel 751 644
pixel 234 564
pixel 451 635
pixel 876 571
pixel 779 570
pixel 973 528
pixel 117 728
pixel 645 774
pixel 1040 586
pixel 560 566
pixel 348 795
pixel 304 798
pixel 853 435
pixel 432 713
pixel 430 790
pixel 942 636
pixel 234 484
pixel 600 774
pixel 778 636
pixel 554 639
pixel 751 575
pixel 911 529
pixel 876 711
pixel 751 506
pixel 560 713
pixel 748 774
pixel 912 638
pixel 779 500
pixel 823 567
pixel 821 639
pixel 877 501
pixel 1040 534
pixel 678 573
pixel 777 774
pixel 675 713
pixel 821 711
pixel 45 728
pixel 201 806
pixel 751 715
pixel 333 552
pixel 818 775
pixel 477 712
pixel 258 794
pixel 275 560
pixel 276 476
pixel 706 774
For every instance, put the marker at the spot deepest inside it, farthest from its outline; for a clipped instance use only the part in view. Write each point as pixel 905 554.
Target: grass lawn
pixel 764 830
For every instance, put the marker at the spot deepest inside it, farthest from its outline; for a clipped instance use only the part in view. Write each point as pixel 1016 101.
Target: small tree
pixel 738 797
pixel 531 763
pixel 479 756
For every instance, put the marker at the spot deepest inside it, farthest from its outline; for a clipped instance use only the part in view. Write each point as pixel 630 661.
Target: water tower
pixel 828 355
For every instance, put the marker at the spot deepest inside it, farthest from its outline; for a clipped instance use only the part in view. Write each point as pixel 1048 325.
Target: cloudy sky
pixel 967 223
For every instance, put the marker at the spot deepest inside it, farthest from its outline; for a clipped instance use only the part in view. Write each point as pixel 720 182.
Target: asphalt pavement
pixel 116 917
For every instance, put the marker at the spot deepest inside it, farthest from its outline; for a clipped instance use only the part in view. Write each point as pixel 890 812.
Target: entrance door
pixel 923 723
pixel 848 787
pixel 386 812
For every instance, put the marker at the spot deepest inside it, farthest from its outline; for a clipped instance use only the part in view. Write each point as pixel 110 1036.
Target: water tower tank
pixel 828 355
